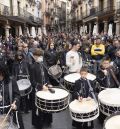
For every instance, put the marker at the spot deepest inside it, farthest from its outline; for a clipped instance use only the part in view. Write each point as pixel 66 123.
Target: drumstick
pixel 7 115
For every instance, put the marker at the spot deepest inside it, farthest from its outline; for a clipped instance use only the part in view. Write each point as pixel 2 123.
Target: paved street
pixel 61 120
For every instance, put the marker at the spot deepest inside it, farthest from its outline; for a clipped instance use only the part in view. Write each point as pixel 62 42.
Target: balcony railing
pixel 95 11
pixel 4 10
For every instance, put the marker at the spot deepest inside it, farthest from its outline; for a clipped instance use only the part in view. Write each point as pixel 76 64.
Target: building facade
pixel 20 17
pixel 96 16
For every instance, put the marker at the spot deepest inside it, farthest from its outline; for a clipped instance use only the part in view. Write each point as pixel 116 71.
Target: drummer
pixel 39 80
pixel 7 97
pixel 107 75
pixel 82 90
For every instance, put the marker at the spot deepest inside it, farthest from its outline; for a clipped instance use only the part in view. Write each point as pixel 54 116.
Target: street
pixel 61 120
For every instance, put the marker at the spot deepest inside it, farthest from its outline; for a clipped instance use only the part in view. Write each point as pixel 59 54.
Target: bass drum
pixel 112 122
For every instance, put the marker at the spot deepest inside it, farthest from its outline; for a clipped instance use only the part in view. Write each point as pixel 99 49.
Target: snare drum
pixel 112 122
pixel 84 111
pixel 52 102
pixel 109 101
pixel 7 124
pixel 24 86
pixel 69 80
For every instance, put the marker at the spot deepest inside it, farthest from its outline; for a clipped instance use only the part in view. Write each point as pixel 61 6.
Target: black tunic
pixel 5 93
pixel 82 89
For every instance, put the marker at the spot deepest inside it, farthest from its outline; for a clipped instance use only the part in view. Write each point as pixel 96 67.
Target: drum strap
pixel 10 91
pixel 114 77
pixel 91 90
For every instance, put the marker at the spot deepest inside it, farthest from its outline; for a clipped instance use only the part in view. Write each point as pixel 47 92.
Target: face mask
pixel 39 59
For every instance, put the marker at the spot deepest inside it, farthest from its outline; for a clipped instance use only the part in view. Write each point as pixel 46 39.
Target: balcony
pixel 106 11
pixel 4 10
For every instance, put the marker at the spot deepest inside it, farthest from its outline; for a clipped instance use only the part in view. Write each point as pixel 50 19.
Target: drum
pixel 69 80
pixel 7 124
pixel 109 101
pixel 24 86
pixel 84 111
pixel 112 122
pixel 52 102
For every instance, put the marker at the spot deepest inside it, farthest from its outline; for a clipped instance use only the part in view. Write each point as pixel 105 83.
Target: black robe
pixel 40 118
pixel 15 97
pixel 20 68
pixel 82 89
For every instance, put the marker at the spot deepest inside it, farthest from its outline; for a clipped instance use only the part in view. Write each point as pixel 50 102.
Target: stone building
pixel 96 16
pixel 18 17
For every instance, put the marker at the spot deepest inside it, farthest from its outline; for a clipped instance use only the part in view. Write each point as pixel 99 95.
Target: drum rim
pixel 21 94
pixel 106 103
pixel 58 88
pixel 96 107
pixel 114 114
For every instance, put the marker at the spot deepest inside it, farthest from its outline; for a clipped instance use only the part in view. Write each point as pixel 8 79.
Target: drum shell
pixel 105 107
pixel 24 91
pixel 52 106
pixel 69 86
pixel 84 116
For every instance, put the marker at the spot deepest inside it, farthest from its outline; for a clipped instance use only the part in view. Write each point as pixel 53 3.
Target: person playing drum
pixel 81 91
pixel 9 96
pixel 39 80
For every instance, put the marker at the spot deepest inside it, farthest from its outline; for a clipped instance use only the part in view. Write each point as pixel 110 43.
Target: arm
pixel 16 93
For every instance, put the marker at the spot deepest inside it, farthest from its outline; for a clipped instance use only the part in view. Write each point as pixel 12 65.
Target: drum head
pixel 23 84
pixel 72 77
pixel 91 77
pixel 47 95
pixel 113 122
pixel 84 106
pixel 76 76
pixel 110 97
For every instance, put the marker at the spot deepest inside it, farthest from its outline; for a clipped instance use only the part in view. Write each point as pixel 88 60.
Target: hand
pixel 80 98
pixel 13 105
pixel 88 98
pixel 105 72
pixel 45 88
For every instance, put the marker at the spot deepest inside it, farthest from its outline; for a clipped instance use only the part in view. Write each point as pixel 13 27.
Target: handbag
pixel 55 71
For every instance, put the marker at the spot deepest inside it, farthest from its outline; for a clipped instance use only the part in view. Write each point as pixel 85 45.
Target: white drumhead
pixel 23 84
pixel 91 76
pixel 59 94
pixel 110 97
pixel 72 77
pixel 84 106
pixel 76 76
pixel 113 122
